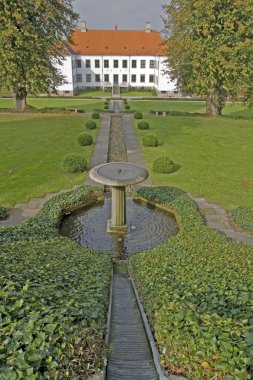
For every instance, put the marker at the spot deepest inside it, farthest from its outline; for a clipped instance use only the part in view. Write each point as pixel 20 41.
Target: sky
pixel 127 14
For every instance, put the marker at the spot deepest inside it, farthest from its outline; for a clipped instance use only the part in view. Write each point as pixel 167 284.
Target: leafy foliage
pixel 32 67
pixel 127 107
pixel 150 140
pixel 85 139
pixel 143 125
pixel 3 212
pixel 197 291
pixel 138 115
pixel 53 298
pixel 95 115
pixel 164 164
pixel 90 124
pixel 75 163
pixel 243 217
pixel 209 48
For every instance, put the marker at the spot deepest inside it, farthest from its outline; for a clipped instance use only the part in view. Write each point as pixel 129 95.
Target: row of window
pixel 116 63
pixel 88 77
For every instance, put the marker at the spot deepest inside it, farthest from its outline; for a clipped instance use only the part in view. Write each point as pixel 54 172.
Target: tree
pixel 32 34
pixel 210 49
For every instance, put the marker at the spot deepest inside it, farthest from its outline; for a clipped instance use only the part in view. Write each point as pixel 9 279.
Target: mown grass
pixel 214 155
pixel 84 104
pixel 32 152
pixel 137 93
pixel 234 110
pixel 101 93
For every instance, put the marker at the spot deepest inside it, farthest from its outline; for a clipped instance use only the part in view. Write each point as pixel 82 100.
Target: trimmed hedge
pixel 3 212
pixel 53 298
pixel 143 125
pixel 85 139
pixel 138 115
pixel 75 163
pixel 95 115
pixel 90 124
pixel 150 140
pixel 243 218
pixel 127 107
pixel 164 165
pixel 197 290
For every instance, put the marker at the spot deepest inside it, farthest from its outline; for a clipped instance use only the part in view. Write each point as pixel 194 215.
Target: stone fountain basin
pixel 118 174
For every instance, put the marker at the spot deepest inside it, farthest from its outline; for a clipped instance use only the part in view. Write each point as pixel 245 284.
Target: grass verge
pixel 213 154
pixel 32 153
pixel 197 292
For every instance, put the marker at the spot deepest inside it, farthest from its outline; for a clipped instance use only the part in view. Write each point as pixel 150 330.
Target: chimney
pixel 148 27
pixel 83 26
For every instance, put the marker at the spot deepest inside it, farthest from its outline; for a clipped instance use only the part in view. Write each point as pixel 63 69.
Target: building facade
pixel 100 59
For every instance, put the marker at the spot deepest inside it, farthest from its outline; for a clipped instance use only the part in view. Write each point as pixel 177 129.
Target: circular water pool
pixel 147 227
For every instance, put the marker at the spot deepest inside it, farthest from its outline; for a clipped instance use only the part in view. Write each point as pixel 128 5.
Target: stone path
pixel 23 211
pixel 217 218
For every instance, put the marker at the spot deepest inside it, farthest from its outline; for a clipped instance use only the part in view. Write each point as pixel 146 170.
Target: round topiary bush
pixel 164 164
pixel 150 140
pixel 75 163
pixel 85 139
pixel 127 107
pixel 90 124
pixel 106 103
pixel 138 115
pixel 95 115
pixel 3 212
pixel 106 107
pixel 143 125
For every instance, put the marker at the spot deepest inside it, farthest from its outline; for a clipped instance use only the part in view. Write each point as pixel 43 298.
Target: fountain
pixel 118 175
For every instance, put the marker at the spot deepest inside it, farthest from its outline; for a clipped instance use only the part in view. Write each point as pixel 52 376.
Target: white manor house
pixel 103 59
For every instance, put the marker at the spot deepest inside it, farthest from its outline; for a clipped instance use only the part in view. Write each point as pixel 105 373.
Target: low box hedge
pixel 197 290
pixel 53 297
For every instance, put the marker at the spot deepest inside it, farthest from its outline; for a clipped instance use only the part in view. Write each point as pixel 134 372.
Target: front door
pixel 115 79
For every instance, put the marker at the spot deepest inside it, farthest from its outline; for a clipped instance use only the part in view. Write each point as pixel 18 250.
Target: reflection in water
pixel 147 227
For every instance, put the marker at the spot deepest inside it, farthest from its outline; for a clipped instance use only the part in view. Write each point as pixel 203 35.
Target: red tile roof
pixel 117 42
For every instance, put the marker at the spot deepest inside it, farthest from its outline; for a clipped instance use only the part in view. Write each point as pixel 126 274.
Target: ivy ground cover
pixel 32 152
pixel 214 156
pixel 53 297
pixel 197 289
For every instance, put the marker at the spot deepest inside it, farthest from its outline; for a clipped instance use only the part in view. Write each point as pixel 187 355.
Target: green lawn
pixel 101 93
pixel 86 104
pixel 186 106
pixel 214 154
pixel 137 93
pixel 32 152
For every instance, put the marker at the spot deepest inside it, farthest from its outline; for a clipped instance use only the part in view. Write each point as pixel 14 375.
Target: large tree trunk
pixel 214 103
pixel 20 95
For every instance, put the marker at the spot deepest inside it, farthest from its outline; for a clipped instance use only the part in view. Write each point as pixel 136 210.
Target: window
pixel 97 77
pixel 87 63
pixel 88 77
pixel 151 64
pixel 97 63
pixel 124 64
pixel 143 64
pixel 142 78
pixel 124 78
pixel 115 63
pixel 151 78
pixel 106 63
pixel 133 78
pixel 78 63
pixel 134 64
pixel 79 78
pixel 106 77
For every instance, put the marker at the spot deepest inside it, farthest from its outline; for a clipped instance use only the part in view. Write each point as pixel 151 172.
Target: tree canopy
pixel 31 44
pixel 210 49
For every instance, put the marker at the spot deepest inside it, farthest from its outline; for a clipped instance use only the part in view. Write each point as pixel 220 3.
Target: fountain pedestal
pixel 118 175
